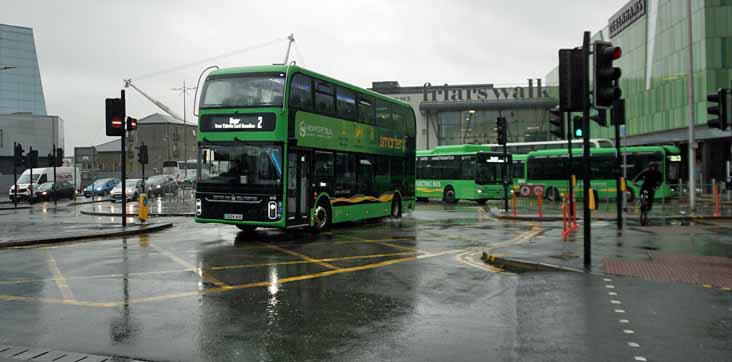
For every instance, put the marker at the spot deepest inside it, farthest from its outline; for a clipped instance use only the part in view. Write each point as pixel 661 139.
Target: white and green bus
pixel 460 172
pixel 284 147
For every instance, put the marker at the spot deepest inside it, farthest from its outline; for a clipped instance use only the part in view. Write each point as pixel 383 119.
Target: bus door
pixel 298 187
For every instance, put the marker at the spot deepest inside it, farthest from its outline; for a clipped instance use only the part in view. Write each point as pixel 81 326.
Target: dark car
pixel 64 190
pixel 160 185
pixel 101 187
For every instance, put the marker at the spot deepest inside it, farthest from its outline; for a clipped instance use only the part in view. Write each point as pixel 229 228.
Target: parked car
pixel 41 176
pixel 134 189
pixel 160 185
pixel 101 187
pixel 64 190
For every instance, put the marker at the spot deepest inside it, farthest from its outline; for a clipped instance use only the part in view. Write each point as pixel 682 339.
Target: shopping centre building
pixel 458 114
pixel 654 37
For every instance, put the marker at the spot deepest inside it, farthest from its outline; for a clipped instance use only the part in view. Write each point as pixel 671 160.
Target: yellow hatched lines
pixel 188 266
pixel 301 256
pixel 59 278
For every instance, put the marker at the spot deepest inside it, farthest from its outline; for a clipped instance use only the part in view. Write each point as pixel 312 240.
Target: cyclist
pixel 651 178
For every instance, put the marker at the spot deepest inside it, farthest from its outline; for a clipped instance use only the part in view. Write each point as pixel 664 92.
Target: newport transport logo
pixel 310 130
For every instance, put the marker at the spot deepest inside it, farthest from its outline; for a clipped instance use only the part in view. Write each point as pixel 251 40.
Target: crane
pixel 166 109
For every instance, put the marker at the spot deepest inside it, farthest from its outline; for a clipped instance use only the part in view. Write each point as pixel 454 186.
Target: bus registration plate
pixel 233 216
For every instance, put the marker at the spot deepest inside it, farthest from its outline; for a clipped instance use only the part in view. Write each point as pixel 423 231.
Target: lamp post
pixel 183 91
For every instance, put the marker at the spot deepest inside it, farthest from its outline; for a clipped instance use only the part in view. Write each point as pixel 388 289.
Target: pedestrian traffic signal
pixel 605 87
pixel 719 110
pixel 59 157
pixel 557 123
pixel 600 117
pixel 617 114
pixel 131 124
pixel 18 155
pixel 115 115
pixel 578 126
pixel 142 154
pixel 501 130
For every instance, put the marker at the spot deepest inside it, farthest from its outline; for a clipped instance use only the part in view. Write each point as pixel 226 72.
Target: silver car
pixel 134 189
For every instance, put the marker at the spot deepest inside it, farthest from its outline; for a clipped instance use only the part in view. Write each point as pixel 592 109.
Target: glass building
pixel 21 90
pixel 654 37
pixel 460 114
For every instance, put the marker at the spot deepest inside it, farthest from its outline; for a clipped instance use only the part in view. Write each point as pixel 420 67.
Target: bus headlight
pixel 272 210
pixel 198 207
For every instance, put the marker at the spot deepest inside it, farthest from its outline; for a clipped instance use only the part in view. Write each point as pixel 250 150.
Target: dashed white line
pixel 623 321
pixel 619 311
pixel 615 302
pixel 607 280
pixel 639 358
pixel 612 294
pixel 628 331
pixel 633 344
pixel 610 286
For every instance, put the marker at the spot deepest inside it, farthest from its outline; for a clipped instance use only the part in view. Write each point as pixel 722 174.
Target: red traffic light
pixel 617 53
pixel 131 124
pixel 116 122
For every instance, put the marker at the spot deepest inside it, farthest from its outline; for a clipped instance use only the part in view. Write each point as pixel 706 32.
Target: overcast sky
pixel 86 48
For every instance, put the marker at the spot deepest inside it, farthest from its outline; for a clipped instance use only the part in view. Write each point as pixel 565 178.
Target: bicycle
pixel 644 207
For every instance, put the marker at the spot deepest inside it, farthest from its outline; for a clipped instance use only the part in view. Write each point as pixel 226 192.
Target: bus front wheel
pixel 396 207
pixel 321 216
pixel 450 196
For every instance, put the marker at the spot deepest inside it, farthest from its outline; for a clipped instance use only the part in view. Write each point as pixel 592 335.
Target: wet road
pixel 407 290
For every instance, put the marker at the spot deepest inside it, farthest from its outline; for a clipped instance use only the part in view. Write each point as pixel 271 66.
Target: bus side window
pixel 468 168
pixel 324 98
pixel 365 175
pixel 346 103
pixel 397 172
pixel 301 95
pixel 345 175
pixel 323 165
pixel 383 114
pixel 397 119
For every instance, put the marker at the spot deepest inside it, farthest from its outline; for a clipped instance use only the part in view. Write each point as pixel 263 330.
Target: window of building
pixel 301 92
pixel 346 103
pixel 324 98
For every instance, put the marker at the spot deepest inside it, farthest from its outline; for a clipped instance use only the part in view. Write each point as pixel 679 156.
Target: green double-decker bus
pixel 551 169
pixel 284 147
pixel 460 172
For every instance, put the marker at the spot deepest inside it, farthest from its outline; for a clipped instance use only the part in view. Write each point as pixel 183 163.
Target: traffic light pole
pixel 619 177
pixel 586 178
pixel 505 177
pixel 30 184
pixel 54 174
pixel 123 164
pixel 15 176
pixel 570 136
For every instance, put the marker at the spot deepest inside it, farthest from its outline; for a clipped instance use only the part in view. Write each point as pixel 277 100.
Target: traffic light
pixel 51 161
pixel 501 130
pixel 617 114
pixel 719 110
pixel 131 124
pixel 115 115
pixel 557 123
pixel 600 117
pixel 18 155
pixel 142 154
pixel 578 126
pixel 571 80
pixel 32 159
pixel 59 157
pixel 605 89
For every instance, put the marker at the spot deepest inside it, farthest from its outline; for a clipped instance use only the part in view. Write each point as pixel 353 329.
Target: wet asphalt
pixel 397 290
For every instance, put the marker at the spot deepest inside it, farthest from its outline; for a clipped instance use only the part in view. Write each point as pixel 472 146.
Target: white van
pixel 42 175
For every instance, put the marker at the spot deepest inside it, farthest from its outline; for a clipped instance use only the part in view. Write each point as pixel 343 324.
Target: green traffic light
pixel 578 132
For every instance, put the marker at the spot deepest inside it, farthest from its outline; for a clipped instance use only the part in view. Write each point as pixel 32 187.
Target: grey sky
pixel 85 48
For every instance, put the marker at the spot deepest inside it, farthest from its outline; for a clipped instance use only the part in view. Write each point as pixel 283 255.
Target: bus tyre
pixel 247 228
pixel 396 207
pixel 552 194
pixel 631 195
pixel 450 196
pixel 322 216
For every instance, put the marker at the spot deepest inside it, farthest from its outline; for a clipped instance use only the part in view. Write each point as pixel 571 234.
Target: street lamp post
pixel 185 90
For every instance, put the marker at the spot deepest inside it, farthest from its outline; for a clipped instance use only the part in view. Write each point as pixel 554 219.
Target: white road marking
pixel 615 302
pixel 633 344
pixel 612 294
pixel 623 321
pixel 610 286
pixel 639 358
pixel 628 331
pixel 619 311
pixel 607 280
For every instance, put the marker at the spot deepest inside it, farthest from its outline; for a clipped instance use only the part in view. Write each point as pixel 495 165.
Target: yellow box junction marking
pixel 188 266
pixel 58 277
pixel 301 256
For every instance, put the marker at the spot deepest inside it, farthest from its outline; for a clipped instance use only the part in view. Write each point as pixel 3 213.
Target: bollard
pixel 539 201
pixel 565 222
pixel 514 203
pixel 574 213
pixel 717 210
